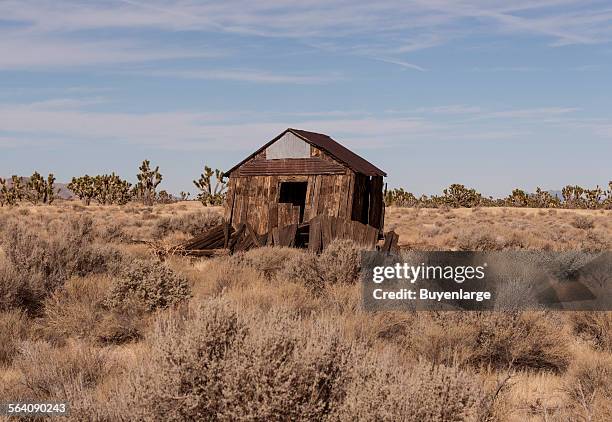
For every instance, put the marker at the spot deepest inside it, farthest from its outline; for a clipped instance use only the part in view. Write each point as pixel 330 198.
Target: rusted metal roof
pixel 327 144
pixel 293 166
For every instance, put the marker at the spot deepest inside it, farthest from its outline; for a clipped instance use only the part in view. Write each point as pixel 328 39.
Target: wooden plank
pixel 376 202
pixel 323 193
pixel 236 237
pixel 351 193
pixel 226 234
pixel 358 232
pixel 287 235
pixel 326 234
pixel 339 189
pixel 251 233
pixel 205 239
pixel 252 207
pixel 264 222
pixel 275 236
pixel 295 215
pixel 371 236
pixel 334 226
pixel 206 252
pixel 314 235
pixel 358 197
pixel 342 195
pixel 391 240
pixel 308 214
pixel 236 205
pixel 272 216
pixel 316 197
pixel 343 228
pixel 229 203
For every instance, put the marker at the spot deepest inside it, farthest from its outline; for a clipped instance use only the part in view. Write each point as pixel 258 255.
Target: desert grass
pixel 501 228
pixel 91 317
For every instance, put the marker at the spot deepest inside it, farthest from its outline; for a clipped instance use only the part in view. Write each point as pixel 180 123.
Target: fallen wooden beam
pixel 206 252
pixel 391 240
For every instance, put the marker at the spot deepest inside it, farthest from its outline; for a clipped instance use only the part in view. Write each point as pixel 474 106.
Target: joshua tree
pixel 105 189
pixel 50 189
pixel 399 197
pixel 13 194
pixel 209 195
pixel 518 198
pixel 83 188
pixel 572 196
pixel 163 197
pixel 148 180
pixel 36 187
pixel 17 191
pixel 593 197
pixel 543 199
pixel 457 195
pixel 3 192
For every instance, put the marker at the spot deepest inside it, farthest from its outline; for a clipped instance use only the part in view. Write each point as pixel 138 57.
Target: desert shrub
pixel 588 387
pixel 595 327
pixel 595 242
pixel 583 222
pixel 119 327
pixel 150 284
pixel 192 223
pixel 18 292
pixel 219 364
pixel 526 340
pixel 382 391
pixel 339 263
pixel 521 340
pixel 13 328
pixel 113 232
pixel 49 373
pixel 76 308
pixel 478 240
pixel 268 261
pixel 304 268
pixel 41 262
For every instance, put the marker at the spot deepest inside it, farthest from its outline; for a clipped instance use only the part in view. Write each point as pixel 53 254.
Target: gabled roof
pixel 327 144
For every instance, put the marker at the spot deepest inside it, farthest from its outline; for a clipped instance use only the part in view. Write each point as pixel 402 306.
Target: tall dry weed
pixel 38 262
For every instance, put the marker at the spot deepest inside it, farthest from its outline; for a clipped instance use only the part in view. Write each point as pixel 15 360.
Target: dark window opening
pixel 294 193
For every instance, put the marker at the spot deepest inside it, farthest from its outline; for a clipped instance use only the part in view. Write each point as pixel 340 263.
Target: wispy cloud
pixel 35 53
pixel 246 75
pixel 507 69
pixel 62 33
pixel 401 63
pixel 193 130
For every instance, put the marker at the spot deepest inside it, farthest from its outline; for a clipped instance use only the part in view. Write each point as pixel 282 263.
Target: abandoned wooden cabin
pixel 298 176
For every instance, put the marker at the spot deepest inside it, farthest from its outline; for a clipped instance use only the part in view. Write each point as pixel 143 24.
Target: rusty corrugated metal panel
pixel 290 166
pixel 327 144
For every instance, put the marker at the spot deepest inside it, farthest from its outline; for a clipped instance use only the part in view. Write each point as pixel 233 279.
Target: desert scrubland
pixel 91 316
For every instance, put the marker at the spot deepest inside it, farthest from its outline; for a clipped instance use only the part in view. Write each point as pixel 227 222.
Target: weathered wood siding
pixel 254 199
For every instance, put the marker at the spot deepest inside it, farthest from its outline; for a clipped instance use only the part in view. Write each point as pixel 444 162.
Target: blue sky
pixel 492 94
